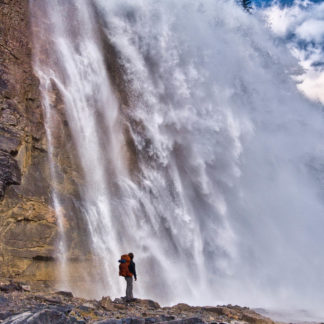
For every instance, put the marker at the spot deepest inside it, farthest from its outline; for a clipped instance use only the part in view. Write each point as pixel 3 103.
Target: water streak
pixel 61 253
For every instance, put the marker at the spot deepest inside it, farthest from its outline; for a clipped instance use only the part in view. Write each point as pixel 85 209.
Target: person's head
pixel 131 255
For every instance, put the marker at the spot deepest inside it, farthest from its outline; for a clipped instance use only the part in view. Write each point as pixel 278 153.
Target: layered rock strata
pixel 27 222
pixel 28 225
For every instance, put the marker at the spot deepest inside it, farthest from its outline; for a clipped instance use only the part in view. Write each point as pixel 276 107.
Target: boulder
pixel 181 307
pixel 147 303
pixel 107 303
pixel 18 319
pixel 45 316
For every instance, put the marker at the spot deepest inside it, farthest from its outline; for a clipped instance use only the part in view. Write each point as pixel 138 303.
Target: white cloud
pixel 281 19
pixel 302 27
pixel 312 85
pixel 311 30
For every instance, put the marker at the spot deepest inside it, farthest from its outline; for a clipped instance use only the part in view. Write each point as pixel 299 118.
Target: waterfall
pixel 203 160
pixel 46 89
pixel 77 69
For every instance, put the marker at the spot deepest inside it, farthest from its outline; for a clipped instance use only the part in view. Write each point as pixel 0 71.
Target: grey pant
pixel 129 287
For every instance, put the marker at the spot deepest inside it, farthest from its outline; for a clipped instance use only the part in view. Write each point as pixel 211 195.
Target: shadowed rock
pixel 9 172
pixel 193 320
pixel 45 316
pixel 18 306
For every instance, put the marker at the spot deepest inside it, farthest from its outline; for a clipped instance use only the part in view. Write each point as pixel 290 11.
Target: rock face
pixel 17 305
pixel 10 172
pixel 27 220
pixel 28 225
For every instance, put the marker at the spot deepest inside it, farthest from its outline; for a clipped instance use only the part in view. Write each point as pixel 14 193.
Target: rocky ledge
pixel 20 305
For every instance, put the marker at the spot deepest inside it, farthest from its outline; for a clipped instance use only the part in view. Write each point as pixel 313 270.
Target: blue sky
pixel 300 24
pixel 284 2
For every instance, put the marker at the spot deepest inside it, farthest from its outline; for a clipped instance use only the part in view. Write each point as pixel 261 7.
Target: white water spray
pixel 61 253
pixel 77 69
pixel 227 203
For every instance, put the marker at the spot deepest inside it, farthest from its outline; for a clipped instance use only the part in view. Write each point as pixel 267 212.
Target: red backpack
pixel 123 266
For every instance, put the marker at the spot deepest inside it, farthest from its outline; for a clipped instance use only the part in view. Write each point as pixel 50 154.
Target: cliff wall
pixel 28 224
pixel 27 220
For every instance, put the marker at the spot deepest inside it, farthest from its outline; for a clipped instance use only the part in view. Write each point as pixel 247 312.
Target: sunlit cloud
pixel 302 27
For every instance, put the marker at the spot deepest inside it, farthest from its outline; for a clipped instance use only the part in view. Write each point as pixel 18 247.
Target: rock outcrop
pixel 19 305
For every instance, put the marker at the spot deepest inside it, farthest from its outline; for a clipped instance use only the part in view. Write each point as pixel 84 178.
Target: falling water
pixel 220 194
pixel 61 253
pixel 77 69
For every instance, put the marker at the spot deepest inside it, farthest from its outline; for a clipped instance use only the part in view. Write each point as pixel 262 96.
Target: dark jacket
pixel 131 269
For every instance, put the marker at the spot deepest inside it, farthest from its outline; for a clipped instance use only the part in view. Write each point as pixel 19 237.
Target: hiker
pixel 127 270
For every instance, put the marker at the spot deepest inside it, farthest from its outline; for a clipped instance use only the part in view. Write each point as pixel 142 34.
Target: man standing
pixel 127 270
pixel 129 280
